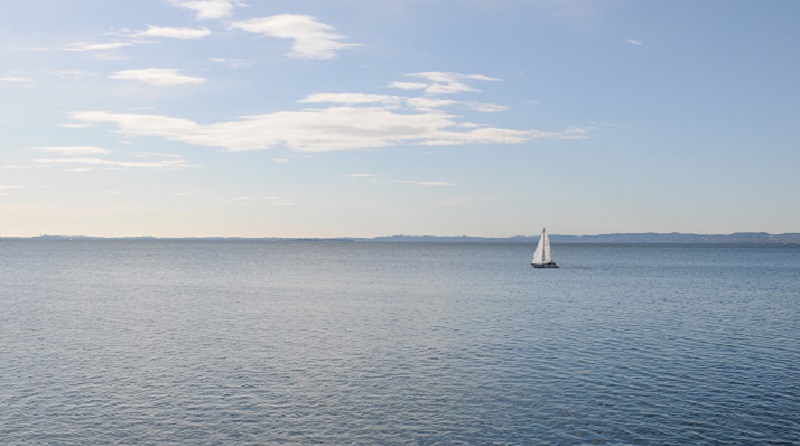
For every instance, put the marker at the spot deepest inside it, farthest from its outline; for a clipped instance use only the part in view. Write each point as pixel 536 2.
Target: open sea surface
pixel 160 342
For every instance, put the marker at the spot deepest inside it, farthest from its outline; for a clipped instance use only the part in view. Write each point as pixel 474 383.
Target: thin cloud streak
pixel 92 46
pixel 414 103
pixel 418 183
pixel 174 33
pixel 159 77
pixel 72 150
pixel 373 180
pixel 442 82
pixel 5 189
pixel 171 164
pixel 233 63
pixel 18 80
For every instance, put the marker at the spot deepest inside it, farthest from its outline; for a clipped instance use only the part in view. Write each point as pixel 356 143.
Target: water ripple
pixel 313 343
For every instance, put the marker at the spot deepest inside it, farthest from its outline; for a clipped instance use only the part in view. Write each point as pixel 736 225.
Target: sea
pixel 258 342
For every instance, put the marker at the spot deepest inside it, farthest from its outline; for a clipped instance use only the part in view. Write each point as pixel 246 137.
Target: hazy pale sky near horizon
pixel 327 118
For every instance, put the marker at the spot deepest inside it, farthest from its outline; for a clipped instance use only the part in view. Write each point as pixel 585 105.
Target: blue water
pixel 256 342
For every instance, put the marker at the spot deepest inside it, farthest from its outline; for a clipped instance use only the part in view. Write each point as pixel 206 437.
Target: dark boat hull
pixel 544 265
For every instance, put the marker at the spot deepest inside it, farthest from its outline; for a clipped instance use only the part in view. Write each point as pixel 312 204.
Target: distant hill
pixel 676 237
pixel 646 237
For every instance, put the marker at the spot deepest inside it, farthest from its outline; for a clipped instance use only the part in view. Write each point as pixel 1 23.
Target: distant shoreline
pixel 649 237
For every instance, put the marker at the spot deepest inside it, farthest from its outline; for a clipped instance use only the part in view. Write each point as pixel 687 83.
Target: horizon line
pixel 648 233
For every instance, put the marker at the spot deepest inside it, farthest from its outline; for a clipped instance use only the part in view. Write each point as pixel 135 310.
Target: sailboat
pixel 542 257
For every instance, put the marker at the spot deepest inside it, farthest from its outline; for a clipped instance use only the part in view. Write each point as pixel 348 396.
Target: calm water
pixel 179 342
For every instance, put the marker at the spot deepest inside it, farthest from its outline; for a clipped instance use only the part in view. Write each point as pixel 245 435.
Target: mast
pixel 546 247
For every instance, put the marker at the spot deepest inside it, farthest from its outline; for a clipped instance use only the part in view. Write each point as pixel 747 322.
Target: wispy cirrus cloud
pixel 312 39
pixel 206 9
pixel 419 183
pixel 409 85
pixel 360 175
pixel 88 158
pixel 350 121
pixel 18 80
pixel 352 98
pixel 373 178
pixel 88 163
pixel 233 63
pixel 321 130
pixel 634 42
pixel 174 33
pixel 72 150
pixel 5 189
pixel 95 46
pixel 413 102
pixel 442 82
pixel 429 103
pixel 159 77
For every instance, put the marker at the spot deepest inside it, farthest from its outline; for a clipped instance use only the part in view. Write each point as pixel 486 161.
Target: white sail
pixel 542 254
pixel 546 257
pixel 538 254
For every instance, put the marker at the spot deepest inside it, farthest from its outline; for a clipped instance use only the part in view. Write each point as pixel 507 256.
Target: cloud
pixel 321 130
pixel 442 82
pixel 140 125
pixel 428 103
pixel 360 175
pixel 634 42
pixel 419 183
pixel 174 33
pixel 155 155
pixel 168 164
pixel 233 63
pixel 5 189
pixel 158 77
pixel 409 85
pixel 374 180
pixel 414 103
pixel 206 9
pixel 352 98
pixel 75 162
pixel 575 133
pixel 90 46
pixel 72 150
pixel 18 80
pixel 349 121
pixel 312 39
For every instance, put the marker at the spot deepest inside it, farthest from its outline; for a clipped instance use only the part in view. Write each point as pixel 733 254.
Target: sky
pixel 362 118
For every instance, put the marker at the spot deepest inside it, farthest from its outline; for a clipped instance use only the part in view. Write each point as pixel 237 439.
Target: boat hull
pixel 544 265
